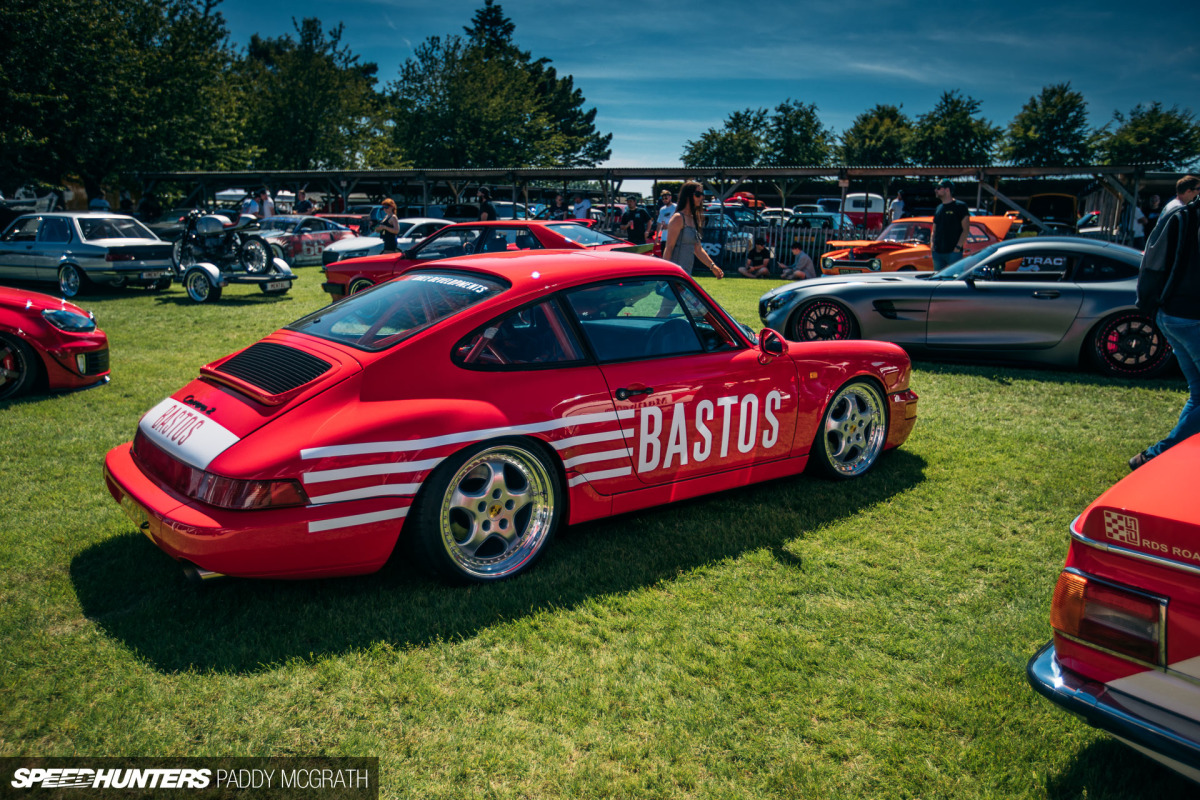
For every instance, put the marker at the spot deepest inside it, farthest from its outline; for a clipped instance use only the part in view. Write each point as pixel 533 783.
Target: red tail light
pixel 215 490
pixel 1111 618
pixel 111 256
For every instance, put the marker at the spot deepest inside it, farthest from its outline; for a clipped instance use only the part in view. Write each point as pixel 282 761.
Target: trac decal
pixel 689 434
pixel 1043 264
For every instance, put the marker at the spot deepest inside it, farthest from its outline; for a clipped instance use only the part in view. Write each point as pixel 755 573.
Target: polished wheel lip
pixel 496 514
pixel 854 429
pixel 69 280
pixel 198 286
pixel 358 285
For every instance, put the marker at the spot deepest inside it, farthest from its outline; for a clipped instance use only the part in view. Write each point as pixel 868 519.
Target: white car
pixel 412 230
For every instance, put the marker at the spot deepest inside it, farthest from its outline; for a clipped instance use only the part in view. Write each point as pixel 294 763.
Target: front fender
pixel 211 270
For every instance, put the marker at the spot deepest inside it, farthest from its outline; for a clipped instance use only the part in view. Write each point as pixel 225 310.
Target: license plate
pixel 149 276
pixel 139 515
pixel 275 286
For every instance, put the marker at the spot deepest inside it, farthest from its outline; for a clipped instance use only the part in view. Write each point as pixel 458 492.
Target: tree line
pixel 1050 130
pixel 93 90
pixel 96 89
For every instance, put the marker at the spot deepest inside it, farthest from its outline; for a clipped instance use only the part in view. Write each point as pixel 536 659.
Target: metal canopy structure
pixel 1122 181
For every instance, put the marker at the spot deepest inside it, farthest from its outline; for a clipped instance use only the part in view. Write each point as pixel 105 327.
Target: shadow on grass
pixel 1108 769
pixel 1004 373
pixel 138 596
pixel 226 300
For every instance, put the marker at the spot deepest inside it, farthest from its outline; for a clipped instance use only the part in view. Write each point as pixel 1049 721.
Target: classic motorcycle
pixel 231 246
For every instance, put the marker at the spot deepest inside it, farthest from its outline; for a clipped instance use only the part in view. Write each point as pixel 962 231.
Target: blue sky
pixel 661 73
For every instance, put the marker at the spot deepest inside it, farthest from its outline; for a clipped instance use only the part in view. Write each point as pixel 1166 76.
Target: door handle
pixel 1046 293
pixel 625 394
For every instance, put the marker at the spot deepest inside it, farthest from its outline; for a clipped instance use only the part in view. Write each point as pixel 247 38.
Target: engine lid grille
pixel 275 368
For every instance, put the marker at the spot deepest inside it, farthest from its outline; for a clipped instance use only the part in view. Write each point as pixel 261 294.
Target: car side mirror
pixel 408 253
pixel 771 343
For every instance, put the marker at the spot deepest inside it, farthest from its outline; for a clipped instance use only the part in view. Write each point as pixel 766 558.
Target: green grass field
pixel 793 639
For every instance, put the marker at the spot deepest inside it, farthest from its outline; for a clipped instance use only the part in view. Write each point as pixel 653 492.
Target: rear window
pixel 389 313
pixel 113 228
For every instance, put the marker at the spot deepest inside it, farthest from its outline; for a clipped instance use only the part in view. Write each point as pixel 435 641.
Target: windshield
pixel 389 313
pixel 278 223
pixel 905 231
pixel 583 235
pixel 113 228
pixel 965 264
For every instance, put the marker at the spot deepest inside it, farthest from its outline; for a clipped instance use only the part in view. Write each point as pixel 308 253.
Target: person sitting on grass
pixel 802 267
pixel 759 261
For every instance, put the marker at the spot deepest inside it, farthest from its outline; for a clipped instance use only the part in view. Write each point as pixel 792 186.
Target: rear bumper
pixel 131 276
pixel 351 538
pixel 1167 737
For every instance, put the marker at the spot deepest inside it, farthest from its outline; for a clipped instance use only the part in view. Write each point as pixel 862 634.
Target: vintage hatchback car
pixel 903 246
pixel 413 230
pixel 477 404
pixel 300 240
pixel 466 238
pixel 1049 300
pixel 48 343
pixel 81 249
pixel 1126 614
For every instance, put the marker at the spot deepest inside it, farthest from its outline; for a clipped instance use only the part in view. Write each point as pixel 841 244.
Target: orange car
pixel 904 246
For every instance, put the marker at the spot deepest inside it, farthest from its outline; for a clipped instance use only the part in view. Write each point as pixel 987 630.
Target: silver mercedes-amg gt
pixel 1054 300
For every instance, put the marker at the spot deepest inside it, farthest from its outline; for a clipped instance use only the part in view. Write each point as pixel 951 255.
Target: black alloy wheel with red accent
pixel 1129 345
pixel 823 321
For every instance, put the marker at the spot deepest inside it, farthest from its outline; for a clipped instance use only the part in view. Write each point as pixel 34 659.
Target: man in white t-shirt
pixel 1187 189
pixel 582 207
pixel 666 210
pixel 261 206
pixel 896 211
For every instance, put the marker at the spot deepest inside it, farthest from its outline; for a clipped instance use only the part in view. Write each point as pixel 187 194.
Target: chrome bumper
pixel 1156 729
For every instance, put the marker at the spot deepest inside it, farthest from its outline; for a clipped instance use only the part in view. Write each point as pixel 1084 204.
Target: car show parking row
pixel 557 387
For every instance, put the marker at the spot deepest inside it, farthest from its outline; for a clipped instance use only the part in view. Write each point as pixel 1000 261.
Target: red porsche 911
pixel 477 404
pixel 466 238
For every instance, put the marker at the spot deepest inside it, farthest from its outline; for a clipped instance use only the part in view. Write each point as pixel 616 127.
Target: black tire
pixel 1129 345
pixel 183 255
pixel 200 287
pixel 488 512
pixel 18 367
pixel 255 255
pixel 358 285
pixel 852 432
pixel 908 268
pixel 822 321
pixel 72 281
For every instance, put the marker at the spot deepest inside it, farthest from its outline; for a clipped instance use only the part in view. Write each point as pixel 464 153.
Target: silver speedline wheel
pixel 853 431
pixel 489 512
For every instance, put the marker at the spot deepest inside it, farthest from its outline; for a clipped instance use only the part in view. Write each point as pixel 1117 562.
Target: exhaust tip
pixel 199 575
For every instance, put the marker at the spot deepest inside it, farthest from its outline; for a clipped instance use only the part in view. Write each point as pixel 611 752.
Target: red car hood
pixel 238 394
pixel 1152 510
pixel 34 302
